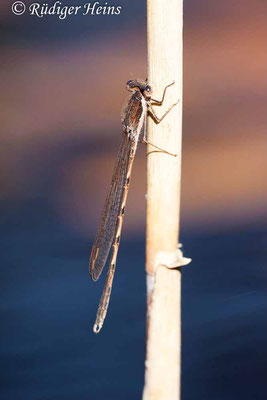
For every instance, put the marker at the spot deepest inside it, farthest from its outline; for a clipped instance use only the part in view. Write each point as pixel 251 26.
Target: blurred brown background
pixel 55 95
pixel 62 91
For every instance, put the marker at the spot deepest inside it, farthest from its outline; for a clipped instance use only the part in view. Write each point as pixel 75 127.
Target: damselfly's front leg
pixel 160 102
pixel 159 119
pixel 154 115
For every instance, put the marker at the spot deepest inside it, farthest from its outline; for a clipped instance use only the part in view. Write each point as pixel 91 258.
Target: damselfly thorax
pixel 110 225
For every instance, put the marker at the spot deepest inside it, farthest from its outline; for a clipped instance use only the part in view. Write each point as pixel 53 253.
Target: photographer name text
pixel 64 11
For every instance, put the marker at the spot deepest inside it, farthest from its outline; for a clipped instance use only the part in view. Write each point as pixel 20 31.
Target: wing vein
pixel 107 225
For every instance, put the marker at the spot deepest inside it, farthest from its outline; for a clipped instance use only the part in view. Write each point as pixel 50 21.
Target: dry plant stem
pixel 162 377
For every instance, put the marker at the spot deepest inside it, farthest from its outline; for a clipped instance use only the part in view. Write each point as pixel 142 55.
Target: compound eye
pixel 148 88
pixel 129 82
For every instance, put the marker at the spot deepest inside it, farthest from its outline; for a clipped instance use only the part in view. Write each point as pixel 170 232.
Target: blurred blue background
pixel 62 89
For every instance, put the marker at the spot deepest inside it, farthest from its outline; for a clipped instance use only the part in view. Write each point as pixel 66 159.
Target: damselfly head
pixel 144 88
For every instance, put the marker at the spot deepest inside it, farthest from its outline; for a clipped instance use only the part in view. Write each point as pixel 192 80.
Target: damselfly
pixel 109 229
